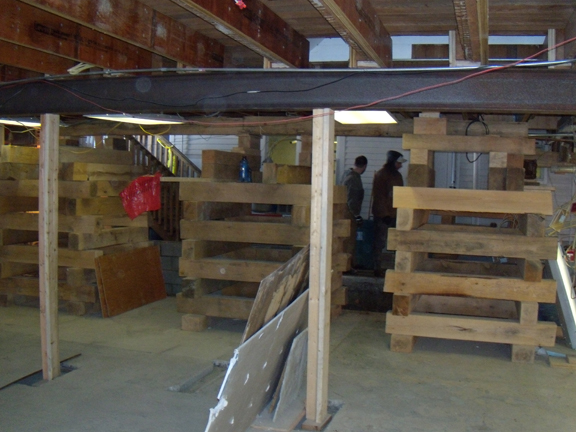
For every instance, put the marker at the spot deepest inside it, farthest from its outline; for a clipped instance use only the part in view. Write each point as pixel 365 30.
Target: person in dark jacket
pixel 384 213
pixel 355 195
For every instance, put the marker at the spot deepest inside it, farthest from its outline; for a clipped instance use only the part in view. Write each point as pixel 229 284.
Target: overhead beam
pixel 34 60
pixel 12 73
pixel 472 21
pixel 358 24
pixel 139 24
pixel 569 33
pixel 257 27
pixel 542 91
pixel 31 27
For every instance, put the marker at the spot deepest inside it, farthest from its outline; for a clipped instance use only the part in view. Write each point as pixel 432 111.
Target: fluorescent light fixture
pixel 27 122
pixel 364 117
pixel 141 119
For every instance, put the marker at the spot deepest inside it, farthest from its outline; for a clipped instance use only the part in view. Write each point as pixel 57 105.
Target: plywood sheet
pixel 255 370
pixel 277 290
pixel 128 280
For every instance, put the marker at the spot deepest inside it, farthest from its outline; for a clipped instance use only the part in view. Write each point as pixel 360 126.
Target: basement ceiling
pixel 54 37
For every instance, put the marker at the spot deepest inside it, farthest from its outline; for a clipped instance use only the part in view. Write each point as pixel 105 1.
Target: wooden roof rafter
pixel 256 27
pixel 472 20
pixel 34 60
pixel 136 23
pixel 358 24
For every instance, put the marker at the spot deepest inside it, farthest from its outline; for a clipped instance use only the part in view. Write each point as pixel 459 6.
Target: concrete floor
pixel 128 362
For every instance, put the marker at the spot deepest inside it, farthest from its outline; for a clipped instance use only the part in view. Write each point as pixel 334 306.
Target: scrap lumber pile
pixel 227 251
pixel 470 282
pixel 92 221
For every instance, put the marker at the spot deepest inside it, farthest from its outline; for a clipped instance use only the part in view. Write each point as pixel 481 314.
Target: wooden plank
pixel 210 157
pixel 420 175
pixel 48 245
pixel 523 353
pixel 256 193
pixel 409 219
pixel 470 268
pixel 29 221
pixel 66 257
pixel 157 32
pixel 528 311
pixel 479 287
pixel 320 266
pixel 359 25
pixel 227 269
pixel 17 204
pixel 278 290
pixel 476 244
pixel 471 329
pixel 122 221
pixel 83 171
pixel 129 280
pixel 66 189
pixel 18 171
pixel 404 304
pixel 35 60
pixel 467 200
pixel 285 174
pixel 108 237
pixel 34 28
pixel 29 286
pixel 257 27
pixel 467 306
pixel 402 343
pixel 10 269
pixel 531 269
pixel 430 125
pixel 105 206
pixel 408 261
pixel 213 210
pixel 251 232
pixel 13 237
pixel 221 306
pixel 30 155
pixel 478 144
pixel 197 249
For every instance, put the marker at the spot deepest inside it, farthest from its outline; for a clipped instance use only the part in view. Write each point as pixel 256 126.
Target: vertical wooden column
pixel 320 269
pixel 48 244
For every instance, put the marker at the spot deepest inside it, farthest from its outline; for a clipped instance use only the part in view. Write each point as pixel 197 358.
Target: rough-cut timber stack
pixel 92 221
pixel 226 251
pixel 491 291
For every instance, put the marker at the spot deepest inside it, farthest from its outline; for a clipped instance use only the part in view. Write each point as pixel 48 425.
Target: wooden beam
pixel 476 244
pixel 48 245
pixel 472 329
pixel 11 73
pixel 359 25
pixel 479 201
pixel 479 287
pixel 257 27
pixel 569 33
pixel 472 20
pixel 34 60
pixel 486 143
pixel 258 193
pixel 320 268
pixel 155 32
pixel 227 269
pixel 34 28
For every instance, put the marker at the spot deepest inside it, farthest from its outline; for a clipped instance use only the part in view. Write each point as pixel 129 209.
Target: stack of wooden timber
pixel 226 251
pixel 492 293
pixel 92 220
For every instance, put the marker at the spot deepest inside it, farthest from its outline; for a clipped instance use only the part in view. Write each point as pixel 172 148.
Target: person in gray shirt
pixel 355 195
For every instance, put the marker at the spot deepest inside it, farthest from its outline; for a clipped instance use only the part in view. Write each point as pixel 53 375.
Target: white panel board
pixel 565 295
pixel 255 370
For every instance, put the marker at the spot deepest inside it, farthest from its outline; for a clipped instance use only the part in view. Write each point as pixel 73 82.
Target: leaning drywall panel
pixel 565 295
pixel 255 370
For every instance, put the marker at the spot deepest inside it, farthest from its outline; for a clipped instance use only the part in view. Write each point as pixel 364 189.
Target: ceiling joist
pixel 256 27
pixel 472 20
pixel 34 60
pixel 140 25
pixel 358 24
pixel 34 28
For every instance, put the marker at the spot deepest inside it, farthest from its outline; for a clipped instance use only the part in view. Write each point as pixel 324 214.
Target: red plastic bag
pixel 142 195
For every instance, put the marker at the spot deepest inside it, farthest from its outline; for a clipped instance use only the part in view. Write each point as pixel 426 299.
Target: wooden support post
pixel 320 269
pixel 48 245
